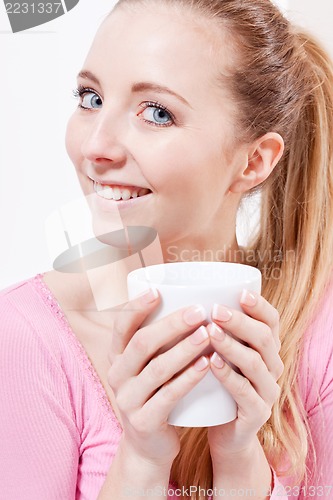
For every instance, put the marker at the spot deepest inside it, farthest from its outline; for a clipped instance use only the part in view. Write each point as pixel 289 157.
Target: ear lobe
pixel 263 156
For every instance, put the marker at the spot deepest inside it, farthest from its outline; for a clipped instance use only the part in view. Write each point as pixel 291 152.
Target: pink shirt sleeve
pixel 39 440
pixel 317 377
pixel 316 384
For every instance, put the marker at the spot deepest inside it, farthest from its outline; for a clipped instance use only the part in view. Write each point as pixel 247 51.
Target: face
pixel 154 131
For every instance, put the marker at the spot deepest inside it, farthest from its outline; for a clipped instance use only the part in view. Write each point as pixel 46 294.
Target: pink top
pixel 58 432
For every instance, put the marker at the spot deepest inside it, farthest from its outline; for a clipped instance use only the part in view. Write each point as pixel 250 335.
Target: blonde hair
pixel 283 82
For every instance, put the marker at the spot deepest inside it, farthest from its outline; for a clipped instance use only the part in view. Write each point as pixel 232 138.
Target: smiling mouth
pixel 119 193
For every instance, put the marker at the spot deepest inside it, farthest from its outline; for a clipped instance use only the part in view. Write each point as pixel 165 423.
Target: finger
pixel 160 335
pixel 251 408
pixel 129 318
pixel 258 308
pixel 248 361
pixel 255 333
pixel 166 365
pixel 158 408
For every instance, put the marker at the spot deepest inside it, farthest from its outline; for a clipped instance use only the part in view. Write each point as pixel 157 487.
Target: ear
pixel 263 155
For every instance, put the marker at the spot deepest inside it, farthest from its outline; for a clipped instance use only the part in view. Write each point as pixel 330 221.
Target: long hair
pixel 283 82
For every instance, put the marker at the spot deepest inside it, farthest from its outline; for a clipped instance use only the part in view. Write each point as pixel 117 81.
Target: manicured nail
pixel 149 296
pixel 199 336
pixel 194 315
pixel 201 364
pixel 248 298
pixel 221 313
pixel 217 332
pixel 217 360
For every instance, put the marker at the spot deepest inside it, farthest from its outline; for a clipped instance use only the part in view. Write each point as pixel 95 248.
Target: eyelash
pixel 158 105
pixel 80 91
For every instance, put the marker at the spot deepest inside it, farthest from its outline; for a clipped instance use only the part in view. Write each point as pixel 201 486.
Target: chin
pixel 128 238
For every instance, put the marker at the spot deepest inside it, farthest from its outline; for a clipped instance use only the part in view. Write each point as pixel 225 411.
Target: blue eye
pixel 156 114
pixel 89 98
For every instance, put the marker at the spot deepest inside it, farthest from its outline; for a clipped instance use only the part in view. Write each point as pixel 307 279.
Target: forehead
pixel 162 44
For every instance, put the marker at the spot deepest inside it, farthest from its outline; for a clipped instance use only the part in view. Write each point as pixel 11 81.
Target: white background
pixel 38 70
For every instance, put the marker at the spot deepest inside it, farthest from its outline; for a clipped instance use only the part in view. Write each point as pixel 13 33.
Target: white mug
pixel 184 284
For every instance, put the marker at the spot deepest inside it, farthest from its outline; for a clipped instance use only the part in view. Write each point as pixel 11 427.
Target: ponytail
pixel 296 218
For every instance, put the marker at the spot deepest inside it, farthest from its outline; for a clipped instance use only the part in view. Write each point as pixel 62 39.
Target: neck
pixel 200 251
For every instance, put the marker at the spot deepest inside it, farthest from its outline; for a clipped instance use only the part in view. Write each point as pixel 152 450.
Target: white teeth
pixel 116 193
pixel 107 192
pixel 126 194
pixel 98 187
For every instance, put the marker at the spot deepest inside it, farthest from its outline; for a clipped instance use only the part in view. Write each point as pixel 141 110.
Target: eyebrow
pixel 138 87
pixel 159 89
pixel 87 75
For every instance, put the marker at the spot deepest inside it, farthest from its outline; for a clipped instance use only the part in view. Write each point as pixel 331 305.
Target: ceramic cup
pixel 184 284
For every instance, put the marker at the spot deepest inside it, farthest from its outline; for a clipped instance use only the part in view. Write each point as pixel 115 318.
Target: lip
pixel 113 206
pixel 115 182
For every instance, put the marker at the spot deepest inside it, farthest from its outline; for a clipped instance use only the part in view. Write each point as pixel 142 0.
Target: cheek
pixel 73 140
pixel 172 164
pixel 168 160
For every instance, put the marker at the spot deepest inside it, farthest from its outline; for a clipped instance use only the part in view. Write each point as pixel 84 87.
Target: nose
pixel 103 144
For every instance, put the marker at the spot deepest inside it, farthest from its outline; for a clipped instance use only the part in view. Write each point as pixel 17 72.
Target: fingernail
pixel 217 332
pixel 248 298
pixel 201 364
pixel 217 360
pixel 199 336
pixel 221 313
pixel 150 296
pixel 194 315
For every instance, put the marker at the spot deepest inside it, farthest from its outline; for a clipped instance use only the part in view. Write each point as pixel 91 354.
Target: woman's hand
pixel 255 389
pixel 151 369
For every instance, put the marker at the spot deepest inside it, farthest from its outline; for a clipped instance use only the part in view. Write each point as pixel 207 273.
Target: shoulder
pixel 321 324
pixel 33 336
pixel 316 372
pixel 20 307
pixel 25 314
pixel 38 352
pixel 320 327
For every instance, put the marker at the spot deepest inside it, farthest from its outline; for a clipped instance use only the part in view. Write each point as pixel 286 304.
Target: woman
pixel 187 107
